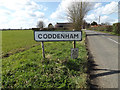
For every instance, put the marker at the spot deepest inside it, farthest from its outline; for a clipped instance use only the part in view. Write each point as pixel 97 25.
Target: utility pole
pixel 99 19
pixel 119 11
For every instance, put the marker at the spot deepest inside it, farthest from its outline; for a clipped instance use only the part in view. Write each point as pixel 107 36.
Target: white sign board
pixel 57 36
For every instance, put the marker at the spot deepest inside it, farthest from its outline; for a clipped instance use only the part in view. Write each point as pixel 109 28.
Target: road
pixel 104 49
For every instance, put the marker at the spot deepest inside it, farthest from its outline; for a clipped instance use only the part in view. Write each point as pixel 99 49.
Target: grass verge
pixel 112 33
pixel 27 69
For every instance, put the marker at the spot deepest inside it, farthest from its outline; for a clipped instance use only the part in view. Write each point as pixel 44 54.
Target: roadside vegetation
pixel 27 69
pixel 111 29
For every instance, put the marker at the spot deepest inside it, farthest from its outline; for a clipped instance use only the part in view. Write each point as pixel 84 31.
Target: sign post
pixel 45 36
pixel 74 50
pixel 74 43
pixel 43 52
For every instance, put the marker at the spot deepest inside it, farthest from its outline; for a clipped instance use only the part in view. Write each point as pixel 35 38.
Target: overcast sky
pixel 26 13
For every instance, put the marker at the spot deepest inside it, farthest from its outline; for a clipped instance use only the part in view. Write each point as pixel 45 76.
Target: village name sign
pixel 45 36
pixel 57 35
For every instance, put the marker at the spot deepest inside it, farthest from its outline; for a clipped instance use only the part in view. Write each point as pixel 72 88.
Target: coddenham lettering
pixel 58 36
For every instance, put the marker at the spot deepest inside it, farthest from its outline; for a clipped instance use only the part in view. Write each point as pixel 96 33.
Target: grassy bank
pixel 27 69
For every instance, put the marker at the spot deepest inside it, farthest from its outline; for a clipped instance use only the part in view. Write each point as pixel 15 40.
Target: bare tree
pixel 40 24
pixel 76 13
pixel 50 25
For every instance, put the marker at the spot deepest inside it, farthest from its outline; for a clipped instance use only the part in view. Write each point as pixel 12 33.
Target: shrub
pixel 109 28
pixel 116 28
pixel 45 29
pixel 102 28
pixel 99 28
pixel 51 29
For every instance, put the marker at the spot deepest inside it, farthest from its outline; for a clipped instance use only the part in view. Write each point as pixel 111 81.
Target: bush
pixel 51 29
pixel 116 28
pixel 109 28
pixel 99 28
pixel 102 28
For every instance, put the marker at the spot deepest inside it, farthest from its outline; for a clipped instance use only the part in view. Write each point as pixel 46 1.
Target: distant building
pixel 94 25
pixel 64 26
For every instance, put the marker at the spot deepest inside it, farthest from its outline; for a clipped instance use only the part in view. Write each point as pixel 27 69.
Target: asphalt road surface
pixel 104 48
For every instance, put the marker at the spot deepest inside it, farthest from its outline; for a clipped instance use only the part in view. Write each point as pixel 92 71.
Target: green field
pixel 17 40
pixel 0 37
pixel 27 69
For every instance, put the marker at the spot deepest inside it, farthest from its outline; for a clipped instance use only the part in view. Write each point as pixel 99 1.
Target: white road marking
pixel 113 40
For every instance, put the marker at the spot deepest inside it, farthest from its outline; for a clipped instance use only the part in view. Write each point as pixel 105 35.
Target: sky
pixel 16 14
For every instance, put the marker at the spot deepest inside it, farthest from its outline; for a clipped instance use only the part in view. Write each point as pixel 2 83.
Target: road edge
pixel 90 66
